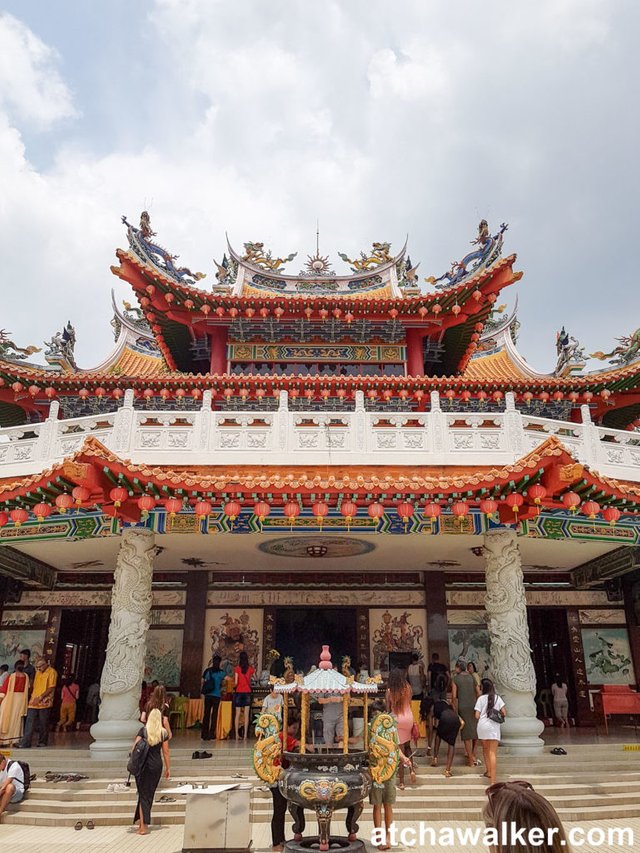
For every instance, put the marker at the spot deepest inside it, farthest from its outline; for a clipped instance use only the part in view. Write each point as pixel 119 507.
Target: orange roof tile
pixel 495 367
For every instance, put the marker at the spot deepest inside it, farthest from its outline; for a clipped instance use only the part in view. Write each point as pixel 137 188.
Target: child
pixel 272 704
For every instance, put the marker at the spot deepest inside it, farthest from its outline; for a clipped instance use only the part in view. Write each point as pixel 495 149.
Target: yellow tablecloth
pixel 225 718
pixel 415 710
pixel 195 712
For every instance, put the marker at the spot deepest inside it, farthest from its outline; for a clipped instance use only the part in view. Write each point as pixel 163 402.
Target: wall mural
pixel 608 656
pixel 11 642
pixel 25 618
pixel 470 644
pixel 396 631
pixel 164 657
pixel 167 617
pixel 228 632
pixel 614 616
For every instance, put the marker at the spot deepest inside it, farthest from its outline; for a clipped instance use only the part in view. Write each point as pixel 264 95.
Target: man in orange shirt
pixel 40 704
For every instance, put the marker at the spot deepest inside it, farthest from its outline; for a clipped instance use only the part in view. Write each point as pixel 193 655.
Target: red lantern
pixel 375 510
pixel 590 508
pixel 488 506
pixel 422 311
pixel 264 312
pixel 220 311
pixel 147 393
pixel 261 510
pixel 202 510
pixel 527 397
pixel 291 510
pixel 477 295
pixel 206 309
pixel 571 501
pixel 558 396
pixel 169 297
pixel 348 317
pixel 33 390
pixel 250 312
pixel 232 510
pixel 4 519
pixel 278 312
pixel 64 502
pixel 393 313
pixel 41 511
pixel 537 492
pixel 117 393
pixel 405 511
pixel 146 503
pixel 18 516
pixel 432 511
pixel 80 494
pixel 320 510
pixel 349 510
pixel 50 392
pixel 17 387
pixel 165 393
pixel 188 304
pixel 456 309
pixel 101 392
pixel 544 396
pixel 437 309
pixel 196 393
pixel 233 312
pixel 173 506
pixel 460 509
pixel 497 396
pixel 515 501
pixel 611 514
pixel 180 394
pixel 83 393
pixel 118 495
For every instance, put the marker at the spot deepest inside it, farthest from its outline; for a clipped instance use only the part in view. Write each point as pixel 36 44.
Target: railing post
pixel 281 422
pixel 590 445
pixel 45 445
pixel 359 436
pixel 124 425
pixel 437 426
pixel 202 431
pixel 514 427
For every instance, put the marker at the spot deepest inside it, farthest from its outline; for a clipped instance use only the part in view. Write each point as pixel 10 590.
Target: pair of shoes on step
pixel 202 754
pixel 89 824
pixel 116 788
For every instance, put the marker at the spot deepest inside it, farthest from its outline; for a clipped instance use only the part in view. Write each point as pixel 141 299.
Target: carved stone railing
pixel 285 437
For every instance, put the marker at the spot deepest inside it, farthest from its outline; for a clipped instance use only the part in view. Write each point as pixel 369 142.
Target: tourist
pixel 560 701
pixel 92 703
pixel 473 669
pixel 149 777
pixel 447 724
pixel 439 677
pixel 158 701
pixel 464 693
pixel 332 719
pixel 517 804
pixel 4 673
pixel 68 703
pixel 279 801
pixel 212 679
pixel 242 693
pixel 29 670
pixel 417 677
pixel 40 704
pixel 398 702
pixel 11 783
pixel 426 717
pixel 145 695
pixel 488 707
pixel 14 694
pixel 384 797
pixel 272 703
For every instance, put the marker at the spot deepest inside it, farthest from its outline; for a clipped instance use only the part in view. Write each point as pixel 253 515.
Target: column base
pixel 521 735
pixel 113 739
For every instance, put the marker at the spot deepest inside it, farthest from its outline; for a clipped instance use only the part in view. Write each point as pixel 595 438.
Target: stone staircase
pixel 592 782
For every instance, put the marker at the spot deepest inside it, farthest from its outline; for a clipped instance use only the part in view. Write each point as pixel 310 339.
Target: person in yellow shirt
pixel 40 704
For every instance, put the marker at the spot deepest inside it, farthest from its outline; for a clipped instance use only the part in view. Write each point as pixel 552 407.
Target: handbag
pixel 495 716
pixel 138 756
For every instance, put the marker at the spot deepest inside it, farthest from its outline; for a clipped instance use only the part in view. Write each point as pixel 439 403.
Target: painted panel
pixel 167 617
pixel 11 642
pixel 25 618
pixel 228 632
pixel 470 644
pixel 562 598
pixel 164 656
pixel 466 617
pixel 67 598
pixel 396 631
pixel 608 656
pixel 309 597
pixel 615 616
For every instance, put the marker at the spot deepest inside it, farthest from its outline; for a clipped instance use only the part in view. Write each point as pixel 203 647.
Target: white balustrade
pixel 285 437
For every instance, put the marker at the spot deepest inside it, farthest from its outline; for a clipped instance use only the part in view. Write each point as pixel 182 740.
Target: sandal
pixel 78 825
pixel 434 761
pixel 412 777
pixel 401 786
pixel 166 799
pixel 90 824
pixel 448 774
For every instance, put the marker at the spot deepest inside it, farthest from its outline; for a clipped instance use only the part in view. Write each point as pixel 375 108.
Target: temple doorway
pixel 551 652
pixel 82 644
pixel 302 631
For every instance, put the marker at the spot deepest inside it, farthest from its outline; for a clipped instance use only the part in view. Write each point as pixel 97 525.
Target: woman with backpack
pixel 490 713
pixel 146 765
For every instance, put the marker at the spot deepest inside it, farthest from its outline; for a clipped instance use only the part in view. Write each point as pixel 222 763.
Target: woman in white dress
pixel 487 705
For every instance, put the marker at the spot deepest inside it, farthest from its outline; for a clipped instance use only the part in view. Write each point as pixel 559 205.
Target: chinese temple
pixel 273 460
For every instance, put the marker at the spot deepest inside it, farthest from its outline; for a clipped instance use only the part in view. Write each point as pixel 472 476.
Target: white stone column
pixel 118 721
pixel 511 664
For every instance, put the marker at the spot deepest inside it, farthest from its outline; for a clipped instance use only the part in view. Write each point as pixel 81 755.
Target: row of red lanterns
pixel 320 509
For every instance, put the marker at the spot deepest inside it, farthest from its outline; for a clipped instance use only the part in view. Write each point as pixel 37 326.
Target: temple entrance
pixel 549 637
pixel 302 631
pixel 82 647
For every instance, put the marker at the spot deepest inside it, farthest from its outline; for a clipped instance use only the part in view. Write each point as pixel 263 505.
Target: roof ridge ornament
pixel 488 251
pixel 9 351
pixel 571 355
pixel 379 254
pixel 140 241
pixel 254 253
pixel 628 350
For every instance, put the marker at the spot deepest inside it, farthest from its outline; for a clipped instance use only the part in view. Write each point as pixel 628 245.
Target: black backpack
pixel 26 772
pixel 138 756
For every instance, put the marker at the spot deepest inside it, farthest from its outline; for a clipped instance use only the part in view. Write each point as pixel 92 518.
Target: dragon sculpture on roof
pixel 379 254
pixel 627 351
pixel 488 251
pixel 12 352
pixel 141 241
pixel 254 253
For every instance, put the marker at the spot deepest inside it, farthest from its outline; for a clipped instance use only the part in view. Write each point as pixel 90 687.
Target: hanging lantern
pixel 422 311
pixel 146 503
pixel 80 494
pixel 291 511
pixel 432 511
pixel 437 309
pixel 497 396
pixel 4 519
pixel 527 397
pixel 461 510
pixel 588 396
pixel 611 514
pixel 165 394
pixel 148 394
pixel 101 392
pixel 232 510
pixel 64 502
pixel 180 394
pixel 544 396
pixel 320 510
pixel 393 313
pixel 477 294
pixel 450 395
pixel 590 509
pixel 405 511
pixel 17 387
pixel 118 495
pixel 278 312
pixel 482 396
pixel 488 506
pixel 202 510
pixel 571 500
pixel 375 510
pixel 323 313
pixel 349 510
pixel 19 516
pixel 41 511
pixel 196 393
pixel 117 393
pixel 50 392
pixel 173 506
pixel 188 304
pixel 558 396
pixel 456 309
pixel 264 312
pixel 537 492
pixel 206 309
pixel 261 510
pixel 348 317
pixel 515 501
pixel 465 396
pixel 337 313
pixel 219 311
pixel 33 390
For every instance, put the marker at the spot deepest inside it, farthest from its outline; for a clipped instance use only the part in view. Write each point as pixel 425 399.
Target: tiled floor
pixel 28 839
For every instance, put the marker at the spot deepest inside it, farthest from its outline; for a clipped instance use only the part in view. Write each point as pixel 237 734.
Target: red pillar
pixel 218 338
pixel 415 361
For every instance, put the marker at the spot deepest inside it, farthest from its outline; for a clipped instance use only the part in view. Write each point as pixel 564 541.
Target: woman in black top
pixel 448 724
pixel 149 776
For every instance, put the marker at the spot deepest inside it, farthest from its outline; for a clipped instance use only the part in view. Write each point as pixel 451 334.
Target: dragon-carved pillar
pixel 118 720
pixel 511 664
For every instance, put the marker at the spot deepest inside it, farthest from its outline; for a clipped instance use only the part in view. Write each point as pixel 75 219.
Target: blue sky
pixel 378 118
